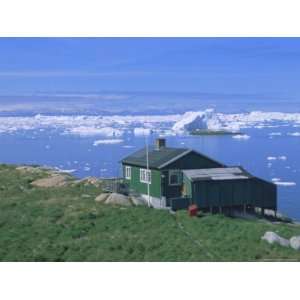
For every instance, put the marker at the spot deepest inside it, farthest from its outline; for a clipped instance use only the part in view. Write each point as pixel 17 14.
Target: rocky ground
pixel 53 178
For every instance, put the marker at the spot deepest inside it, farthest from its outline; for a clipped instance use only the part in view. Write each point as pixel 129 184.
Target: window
pixel 145 176
pixel 175 177
pixel 127 172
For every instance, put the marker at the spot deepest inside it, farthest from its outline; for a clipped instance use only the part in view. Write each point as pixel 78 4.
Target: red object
pixel 193 210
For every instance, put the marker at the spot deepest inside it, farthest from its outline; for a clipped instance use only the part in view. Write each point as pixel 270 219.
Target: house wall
pixel 141 187
pixel 192 160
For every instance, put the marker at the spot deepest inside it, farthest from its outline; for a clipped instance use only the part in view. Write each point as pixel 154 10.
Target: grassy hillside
pixel 66 224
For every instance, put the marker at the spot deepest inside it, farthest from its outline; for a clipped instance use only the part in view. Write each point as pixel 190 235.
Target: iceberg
pixel 201 120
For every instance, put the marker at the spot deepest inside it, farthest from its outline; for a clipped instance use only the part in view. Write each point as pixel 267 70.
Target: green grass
pixel 64 224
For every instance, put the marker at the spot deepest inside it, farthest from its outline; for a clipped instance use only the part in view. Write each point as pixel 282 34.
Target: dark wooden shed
pixel 227 188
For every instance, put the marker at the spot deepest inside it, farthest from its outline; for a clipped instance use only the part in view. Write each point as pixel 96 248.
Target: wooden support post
pixel 262 211
pixel 211 209
pixel 220 209
pixel 244 209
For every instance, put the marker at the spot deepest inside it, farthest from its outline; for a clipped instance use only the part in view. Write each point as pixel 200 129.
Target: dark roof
pixel 157 158
pixel 228 173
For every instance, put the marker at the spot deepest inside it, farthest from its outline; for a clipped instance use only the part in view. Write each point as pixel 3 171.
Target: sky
pixel 257 67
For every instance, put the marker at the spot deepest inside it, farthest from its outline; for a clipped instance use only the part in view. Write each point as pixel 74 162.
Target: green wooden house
pixel 177 177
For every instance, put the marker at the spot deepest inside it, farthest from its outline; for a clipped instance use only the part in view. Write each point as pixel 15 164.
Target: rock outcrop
pixel 114 199
pixel 89 181
pixel 55 180
pixel 274 238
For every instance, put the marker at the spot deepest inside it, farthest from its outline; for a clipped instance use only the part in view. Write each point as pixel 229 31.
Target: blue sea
pixel 89 138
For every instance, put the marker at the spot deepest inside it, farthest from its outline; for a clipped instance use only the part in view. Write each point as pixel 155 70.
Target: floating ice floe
pixel 92 131
pixel 65 170
pixel 141 131
pixel 128 146
pixel 283 157
pixel 285 183
pixel 241 137
pixel 275 179
pixel 116 125
pixel 165 133
pixel 275 133
pixel 106 142
pixel 294 133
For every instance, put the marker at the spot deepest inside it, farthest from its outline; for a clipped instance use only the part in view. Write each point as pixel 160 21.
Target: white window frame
pixel 179 181
pixel 127 172
pixel 145 176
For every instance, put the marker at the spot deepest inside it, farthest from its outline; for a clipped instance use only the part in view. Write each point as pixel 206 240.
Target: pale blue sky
pixel 268 67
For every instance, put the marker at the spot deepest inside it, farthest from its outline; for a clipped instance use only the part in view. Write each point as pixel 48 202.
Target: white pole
pixel 147 162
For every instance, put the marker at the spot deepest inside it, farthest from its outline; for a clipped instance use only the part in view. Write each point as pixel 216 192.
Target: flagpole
pixel 147 163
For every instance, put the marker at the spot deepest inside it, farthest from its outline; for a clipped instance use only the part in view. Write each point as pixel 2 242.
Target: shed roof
pixel 229 173
pixel 157 158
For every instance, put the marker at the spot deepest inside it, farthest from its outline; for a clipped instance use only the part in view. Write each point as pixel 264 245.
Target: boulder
pixel 102 197
pixel 137 200
pixel 295 242
pixel 274 238
pixel 118 199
